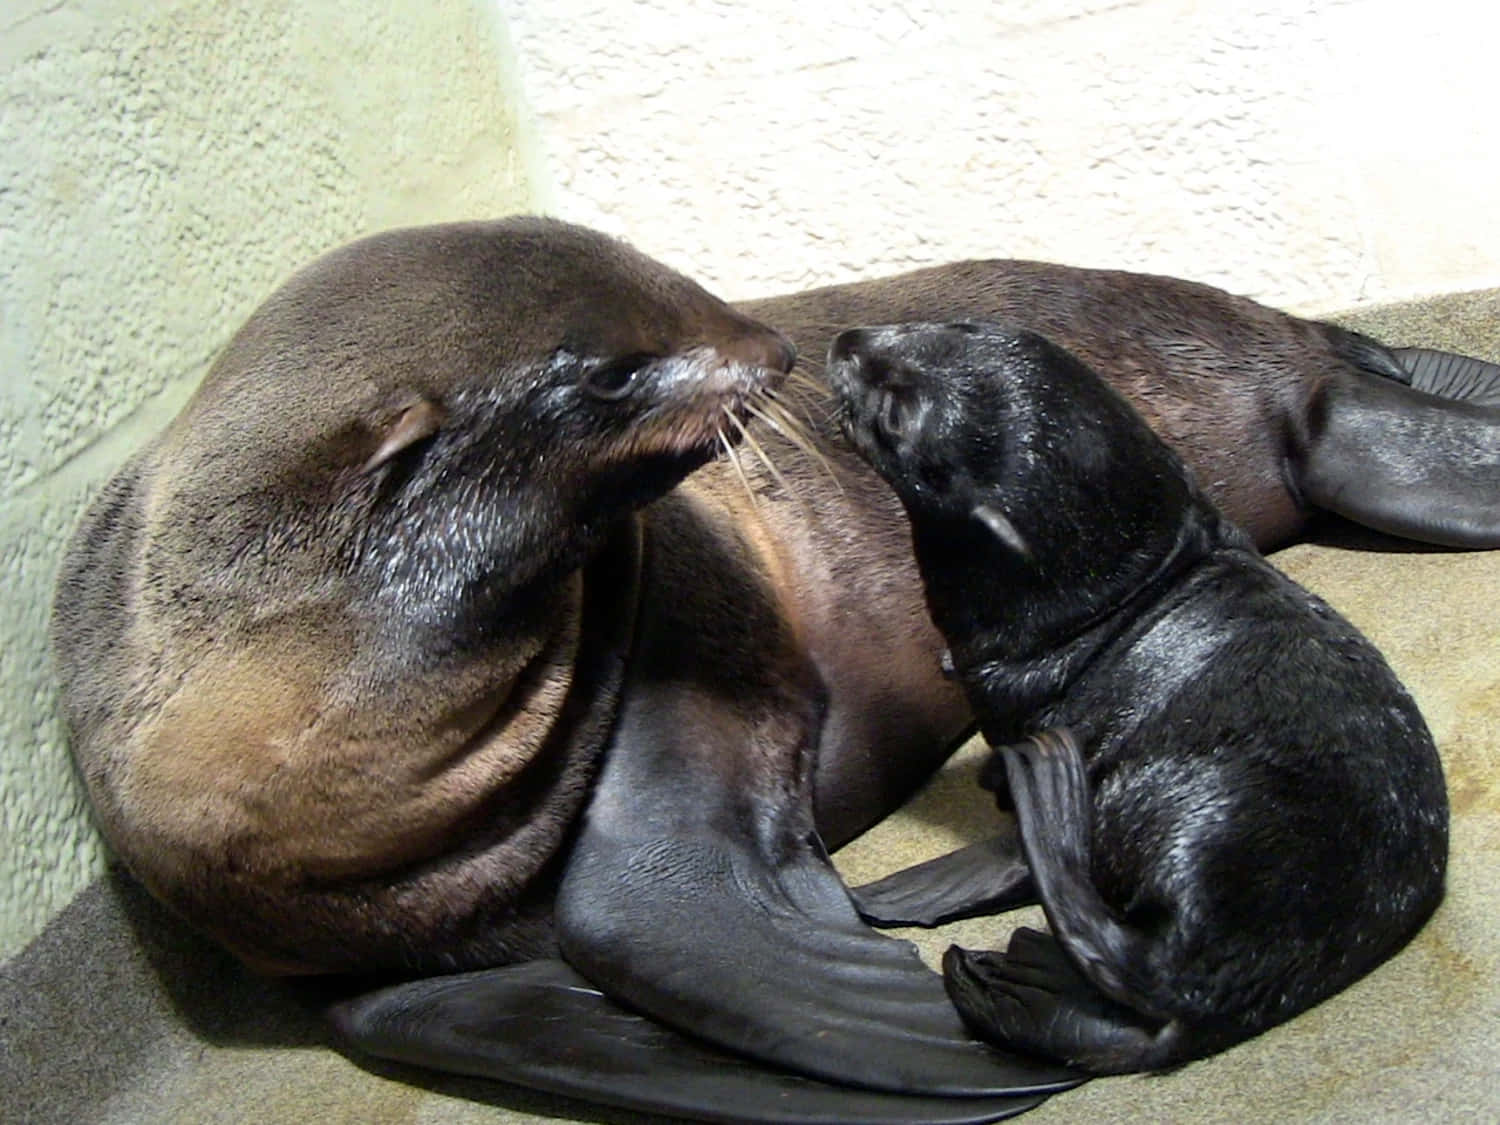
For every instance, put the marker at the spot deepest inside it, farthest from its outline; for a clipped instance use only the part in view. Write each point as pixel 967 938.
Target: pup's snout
pixel 849 345
pixel 868 357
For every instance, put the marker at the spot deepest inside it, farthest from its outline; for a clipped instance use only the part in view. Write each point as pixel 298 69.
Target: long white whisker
pixel 734 457
pixel 775 415
pixel 749 439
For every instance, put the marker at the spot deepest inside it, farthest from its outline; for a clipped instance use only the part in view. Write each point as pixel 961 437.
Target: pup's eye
pixel 616 378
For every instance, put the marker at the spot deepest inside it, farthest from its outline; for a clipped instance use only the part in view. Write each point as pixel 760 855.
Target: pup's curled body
pixel 1229 806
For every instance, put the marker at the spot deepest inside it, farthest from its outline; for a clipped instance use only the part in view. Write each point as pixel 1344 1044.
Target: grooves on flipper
pixel 542 1026
pixel 1448 375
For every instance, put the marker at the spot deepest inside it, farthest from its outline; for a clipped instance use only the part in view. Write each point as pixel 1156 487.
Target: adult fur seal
pixel 1229 806
pixel 343 649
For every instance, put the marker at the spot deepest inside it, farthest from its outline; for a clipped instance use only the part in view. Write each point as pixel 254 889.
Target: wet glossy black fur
pixel 1243 810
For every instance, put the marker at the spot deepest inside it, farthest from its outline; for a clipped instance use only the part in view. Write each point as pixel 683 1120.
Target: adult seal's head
pixel 339 649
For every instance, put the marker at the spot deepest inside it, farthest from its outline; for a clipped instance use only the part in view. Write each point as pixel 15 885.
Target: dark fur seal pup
pixel 1229 806
pixel 342 651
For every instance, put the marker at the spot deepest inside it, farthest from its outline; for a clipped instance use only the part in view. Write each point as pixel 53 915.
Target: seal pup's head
pixel 1039 499
pixel 333 673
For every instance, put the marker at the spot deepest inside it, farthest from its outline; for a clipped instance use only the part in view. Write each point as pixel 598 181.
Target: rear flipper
pixel 1421 461
pixel 543 1026
pixel 1093 1007
pixel 1458 377
pixel 1461 378
pixel 1032 998
pixel 984 878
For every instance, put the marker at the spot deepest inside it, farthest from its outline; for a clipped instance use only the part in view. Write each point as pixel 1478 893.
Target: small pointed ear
pixel 1005 531
pixel 420 419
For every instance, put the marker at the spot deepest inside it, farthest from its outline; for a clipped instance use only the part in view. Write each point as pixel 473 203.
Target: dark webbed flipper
pixel 984 878
pixel 543 1026
pixel 1460 378
pixel 1082 995
pixel 698 892
pixel 1419 463
pixel 762 952
pixel 1450 376
pixel 1033 998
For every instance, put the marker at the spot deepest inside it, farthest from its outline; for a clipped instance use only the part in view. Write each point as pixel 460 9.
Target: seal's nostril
pixel 847 343
pixel 756 345
pixel 785 353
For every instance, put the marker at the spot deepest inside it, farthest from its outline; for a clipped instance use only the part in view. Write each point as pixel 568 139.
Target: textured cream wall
pixel 162 165
pixel 1314 152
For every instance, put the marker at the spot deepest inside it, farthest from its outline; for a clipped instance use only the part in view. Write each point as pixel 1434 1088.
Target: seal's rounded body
pixel 340 649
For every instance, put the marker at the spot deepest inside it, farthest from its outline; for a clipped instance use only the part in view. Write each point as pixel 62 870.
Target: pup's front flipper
pixel 1033 998
pixel 984 878
pixel 541 1025
pixel 1085 995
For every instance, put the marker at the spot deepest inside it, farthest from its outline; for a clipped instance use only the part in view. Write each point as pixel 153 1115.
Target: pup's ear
pixel 1005 531
pixel 419 420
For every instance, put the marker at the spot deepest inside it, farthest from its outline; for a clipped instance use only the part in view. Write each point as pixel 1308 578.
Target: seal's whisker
pixel 795 399
pixel 733 456
pixel 815 410
pixel 775 415
pixel 760 452
pixel 803 381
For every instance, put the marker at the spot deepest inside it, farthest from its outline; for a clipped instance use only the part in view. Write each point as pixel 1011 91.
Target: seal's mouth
pixel 697 401
pixel 701 405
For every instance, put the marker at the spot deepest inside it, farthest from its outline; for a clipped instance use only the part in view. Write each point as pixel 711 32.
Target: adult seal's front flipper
pixel 984 878
pixel 697 890
pixel 1419 463
pixel 730 925
pixel 543 1026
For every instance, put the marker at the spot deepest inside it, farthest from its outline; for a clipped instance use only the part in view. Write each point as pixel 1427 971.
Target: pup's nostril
pixel 847 344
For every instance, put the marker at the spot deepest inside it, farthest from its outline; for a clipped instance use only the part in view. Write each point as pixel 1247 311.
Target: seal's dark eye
pixel 616 378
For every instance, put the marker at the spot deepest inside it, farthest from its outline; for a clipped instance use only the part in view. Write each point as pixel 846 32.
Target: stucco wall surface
pixel 162 166
pixel 1318 153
